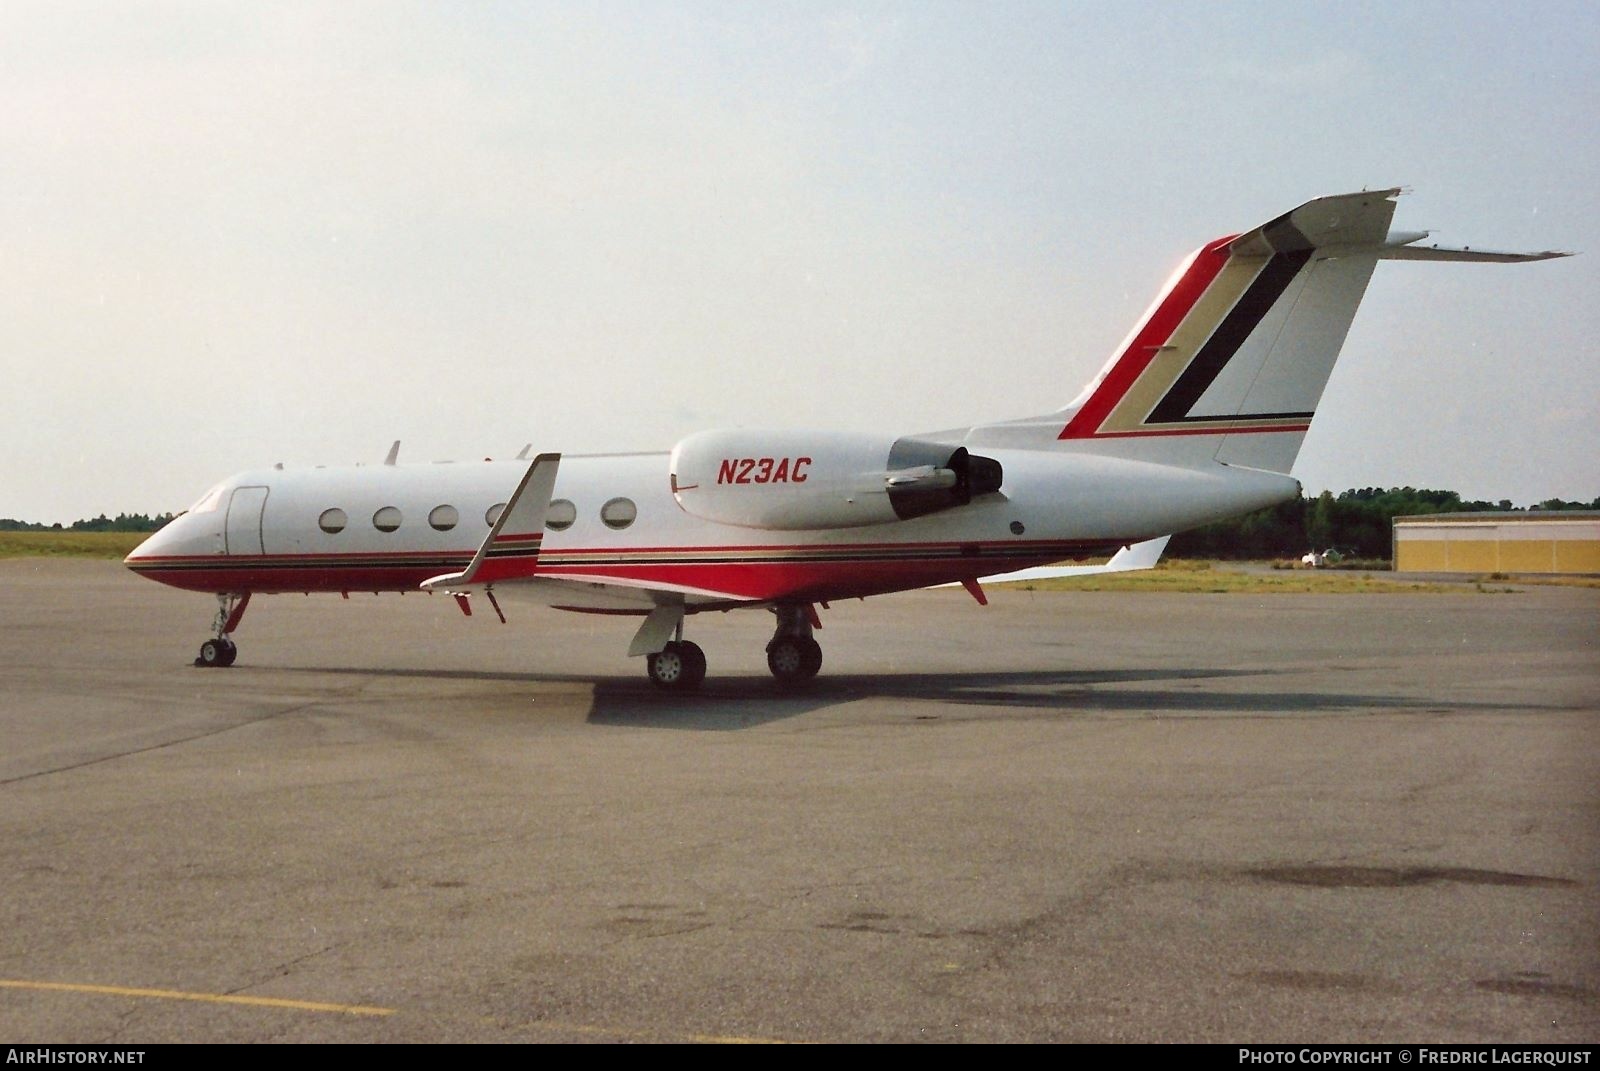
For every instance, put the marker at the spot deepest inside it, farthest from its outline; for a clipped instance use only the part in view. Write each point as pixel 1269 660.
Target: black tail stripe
pixel 1225 341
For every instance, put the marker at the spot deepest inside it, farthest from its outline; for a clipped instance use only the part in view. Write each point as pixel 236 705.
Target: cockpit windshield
pixel 208 501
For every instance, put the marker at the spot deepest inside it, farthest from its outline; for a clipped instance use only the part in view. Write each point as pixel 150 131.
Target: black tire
pixel 677 667
pixel 694 665
pixel 813 658
pixel 212 653
pixel 794 659
pixel 230 651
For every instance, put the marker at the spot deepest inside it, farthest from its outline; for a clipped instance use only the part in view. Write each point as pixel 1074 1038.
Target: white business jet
pixel 1196 418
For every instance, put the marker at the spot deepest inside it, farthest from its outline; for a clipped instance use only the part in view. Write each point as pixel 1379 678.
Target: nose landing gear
pixel 220 650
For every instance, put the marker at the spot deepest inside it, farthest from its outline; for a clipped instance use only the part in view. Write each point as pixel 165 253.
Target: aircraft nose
pixel 149 548
pixel 184 536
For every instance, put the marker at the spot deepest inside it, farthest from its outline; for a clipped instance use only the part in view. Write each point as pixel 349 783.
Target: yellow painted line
pixel 206 998
pixel 361 1009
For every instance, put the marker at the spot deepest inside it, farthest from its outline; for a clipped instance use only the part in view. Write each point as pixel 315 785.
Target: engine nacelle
pixel 797 480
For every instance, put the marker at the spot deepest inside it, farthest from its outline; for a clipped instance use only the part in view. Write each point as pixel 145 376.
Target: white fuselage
pixel 398 525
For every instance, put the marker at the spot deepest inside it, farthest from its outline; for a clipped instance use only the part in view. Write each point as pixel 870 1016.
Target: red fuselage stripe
pixel 781 574
pixel 762 582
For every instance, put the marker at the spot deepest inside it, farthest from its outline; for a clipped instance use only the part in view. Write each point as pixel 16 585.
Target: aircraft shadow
pixel 733 703
pixel 741 703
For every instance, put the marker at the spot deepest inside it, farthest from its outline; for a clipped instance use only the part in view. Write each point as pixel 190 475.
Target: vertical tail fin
pixel 1229 362
pixel 1232 358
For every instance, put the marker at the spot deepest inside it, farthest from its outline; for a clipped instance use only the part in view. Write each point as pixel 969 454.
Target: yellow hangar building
pixel 1538 541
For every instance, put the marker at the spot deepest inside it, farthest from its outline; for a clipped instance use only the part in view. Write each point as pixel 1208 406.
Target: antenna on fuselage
pixel 523 456
pixel 394 453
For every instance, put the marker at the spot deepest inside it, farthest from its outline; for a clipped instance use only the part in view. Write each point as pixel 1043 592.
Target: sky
pixel 234 234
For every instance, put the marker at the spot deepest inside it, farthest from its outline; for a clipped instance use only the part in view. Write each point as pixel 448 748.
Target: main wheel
pixel 680 666
pixel 793 659
pixel 813 653
pixel 230 651
pixel 216 653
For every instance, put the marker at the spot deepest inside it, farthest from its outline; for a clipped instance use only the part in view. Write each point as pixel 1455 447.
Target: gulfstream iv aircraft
pixel 1197 417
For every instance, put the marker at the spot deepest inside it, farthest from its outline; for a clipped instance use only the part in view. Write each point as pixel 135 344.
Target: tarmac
pixel 1066 817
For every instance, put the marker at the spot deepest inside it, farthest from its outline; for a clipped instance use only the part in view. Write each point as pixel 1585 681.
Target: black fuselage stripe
pixel 554 560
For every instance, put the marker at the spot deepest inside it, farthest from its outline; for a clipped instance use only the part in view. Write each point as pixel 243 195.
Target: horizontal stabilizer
pixel 1484 256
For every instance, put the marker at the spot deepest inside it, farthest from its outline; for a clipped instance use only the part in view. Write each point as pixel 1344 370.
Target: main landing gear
pixel 792 655
pixel 680 666
pixel 220 650
pixel 675 665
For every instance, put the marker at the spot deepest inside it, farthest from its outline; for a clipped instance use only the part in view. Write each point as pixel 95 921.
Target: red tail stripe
pixel 1142 348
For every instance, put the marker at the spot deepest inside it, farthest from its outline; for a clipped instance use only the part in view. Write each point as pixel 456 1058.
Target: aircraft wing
pixel 613 595
pixel 511 549
pixel 1133 557
pixel 508 560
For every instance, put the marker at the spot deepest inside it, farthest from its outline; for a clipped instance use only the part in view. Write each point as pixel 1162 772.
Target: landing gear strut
pixel 792 655
pixel 220 650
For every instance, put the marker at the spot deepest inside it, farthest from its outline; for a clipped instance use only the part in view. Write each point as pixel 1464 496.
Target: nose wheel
pixel 217 653
pixel 220 651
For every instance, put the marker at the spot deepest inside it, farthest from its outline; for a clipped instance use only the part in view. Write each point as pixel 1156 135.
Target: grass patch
pixel 1565 580
pixel 1200 577
pixel 112 546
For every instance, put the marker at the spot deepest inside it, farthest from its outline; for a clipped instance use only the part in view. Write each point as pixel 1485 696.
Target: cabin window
pixel 619 513
pixel 492 514
pixel 332 521
pixel 443 518
pixel 560 515
pixel 386 519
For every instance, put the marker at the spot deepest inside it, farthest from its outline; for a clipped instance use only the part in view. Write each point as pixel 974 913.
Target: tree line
pixel 1356 523
pixel 122 522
